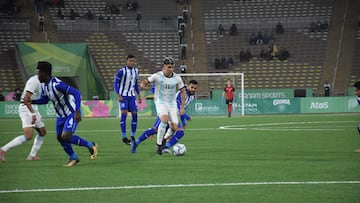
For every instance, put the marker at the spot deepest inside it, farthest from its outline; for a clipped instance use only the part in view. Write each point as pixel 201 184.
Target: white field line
pixel 179 186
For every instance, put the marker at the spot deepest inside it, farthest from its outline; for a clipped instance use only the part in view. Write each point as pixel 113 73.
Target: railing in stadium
pixel 116 25
pixel 265 23
pixel 15 24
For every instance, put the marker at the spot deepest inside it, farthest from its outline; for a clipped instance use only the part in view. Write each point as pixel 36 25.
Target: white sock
pixel 169 133
pixel 38 141
pixel 14 143
pixel 160 133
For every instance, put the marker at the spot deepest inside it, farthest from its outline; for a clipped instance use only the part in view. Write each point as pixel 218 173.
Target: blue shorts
pixel 66 124
pixel 128 104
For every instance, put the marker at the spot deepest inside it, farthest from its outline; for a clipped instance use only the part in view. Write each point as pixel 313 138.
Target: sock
pixel 75 139
pixel 177 136
pixel 145 135
pixel 229 108
pixel 133 124
pixel 69 150
pixel 168 133
pixel 358 128
pixel 160 133
pixel 38 141
pixel 14 142
pixel 123 124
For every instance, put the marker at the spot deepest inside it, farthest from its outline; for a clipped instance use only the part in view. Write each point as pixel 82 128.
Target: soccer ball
pixel 179 149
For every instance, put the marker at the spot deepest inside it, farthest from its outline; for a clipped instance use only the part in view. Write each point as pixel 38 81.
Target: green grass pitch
pixel 287 158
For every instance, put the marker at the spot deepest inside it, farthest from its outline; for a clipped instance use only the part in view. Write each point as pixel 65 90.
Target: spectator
pixel 274 50
pixel 183 67
pixel 230 62
pixel 129 5
pixel 259 38
pixel 221 29
pixel 217 63
pixel 41 22
pixel 266 38
pixel 325 26
pixel 138 18
pixel 279 29
pixel 318 26
pixel 135 5
pixel 248 55
pixel 327 89
pixel 242 55
pixel 271 39
pixel 252 39
pixel 89 15
pixel 185 12
pixel 312 26
pixel 2 97
pixel 183 51
pixel 181 36
pixel 17 95
pixel 180 20
pixel 283 54
pixel 182 27
pixel 233 30
pixel 223 62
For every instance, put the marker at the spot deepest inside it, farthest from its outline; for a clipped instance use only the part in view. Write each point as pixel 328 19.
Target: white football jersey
pixel 32 85
pixel 166 88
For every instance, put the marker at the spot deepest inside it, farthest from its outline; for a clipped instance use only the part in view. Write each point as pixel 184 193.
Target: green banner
pixel 329 105
pixel 66 59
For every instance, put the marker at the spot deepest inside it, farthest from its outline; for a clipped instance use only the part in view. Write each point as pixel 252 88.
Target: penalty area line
pixel 179 185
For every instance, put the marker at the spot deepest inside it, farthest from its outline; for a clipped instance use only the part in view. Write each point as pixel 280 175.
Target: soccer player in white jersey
pixel 67 101
pixel 357 93
pixel 125 86
pixel 190 90
pixel 31 119
pixel 166 85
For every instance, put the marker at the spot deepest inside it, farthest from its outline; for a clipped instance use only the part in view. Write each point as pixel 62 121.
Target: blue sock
pixel 358 128
pixel 69 150
pixel 123 124
pixel 175 138
pixel 134 124
pixel 145 135
pixel 75 139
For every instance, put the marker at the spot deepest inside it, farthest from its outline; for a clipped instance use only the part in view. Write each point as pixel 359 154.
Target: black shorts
pixel 229 101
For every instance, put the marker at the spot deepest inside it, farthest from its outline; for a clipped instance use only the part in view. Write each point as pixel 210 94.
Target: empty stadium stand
pixel 355 73
pixel 12 31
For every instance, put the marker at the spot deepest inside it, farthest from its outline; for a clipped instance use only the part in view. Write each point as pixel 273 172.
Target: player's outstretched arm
pixel 183 96
pixel 144 83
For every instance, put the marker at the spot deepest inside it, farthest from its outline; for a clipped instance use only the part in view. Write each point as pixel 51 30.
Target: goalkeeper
pixel 190 90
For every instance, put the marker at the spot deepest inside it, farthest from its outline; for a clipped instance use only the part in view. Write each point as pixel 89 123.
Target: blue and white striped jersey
pixel 188 98
pixel 126 81
pixel 65 98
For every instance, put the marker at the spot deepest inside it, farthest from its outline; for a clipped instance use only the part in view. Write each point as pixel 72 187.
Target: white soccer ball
pixel 179 149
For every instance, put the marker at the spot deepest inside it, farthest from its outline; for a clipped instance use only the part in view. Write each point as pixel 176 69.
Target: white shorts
pixel 164 109
pixel 26 117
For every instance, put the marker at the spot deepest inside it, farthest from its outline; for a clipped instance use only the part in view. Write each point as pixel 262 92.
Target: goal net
pixel 211 87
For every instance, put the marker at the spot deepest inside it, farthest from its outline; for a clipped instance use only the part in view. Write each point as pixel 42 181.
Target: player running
pixel 67 101
pixel 125 86
pixel 166 85
pixel 229 91
pixel 357 93
pixel 190 90
pixel 31 119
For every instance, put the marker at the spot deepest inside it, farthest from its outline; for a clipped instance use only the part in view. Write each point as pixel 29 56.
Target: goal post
pixel 208 82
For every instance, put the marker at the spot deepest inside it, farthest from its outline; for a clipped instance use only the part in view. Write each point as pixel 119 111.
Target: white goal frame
pixel 217 74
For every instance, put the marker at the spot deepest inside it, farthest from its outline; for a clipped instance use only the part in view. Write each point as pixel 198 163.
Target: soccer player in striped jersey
pixel 31 119
pixel 126 87
pixel 67 101
pixel 190 90
pixel 357 93
pixel 166 85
